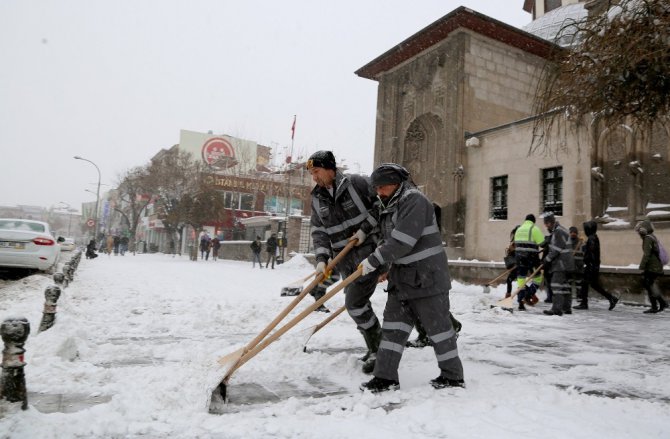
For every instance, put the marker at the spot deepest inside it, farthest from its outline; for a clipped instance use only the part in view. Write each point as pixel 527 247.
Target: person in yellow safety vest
pixel 527 240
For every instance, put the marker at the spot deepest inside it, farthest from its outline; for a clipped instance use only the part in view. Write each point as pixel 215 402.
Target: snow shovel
pixel 508 302
pixel 487 287
pixel 295 287
pixel 314 329
pixel 248 354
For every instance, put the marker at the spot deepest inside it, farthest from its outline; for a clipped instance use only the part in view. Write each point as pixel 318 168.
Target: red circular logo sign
pixel 218 153
pixel 90 222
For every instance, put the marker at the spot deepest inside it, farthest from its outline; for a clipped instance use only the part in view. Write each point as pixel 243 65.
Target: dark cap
pixel 388 173
pixel 322 159
pixel 574 229
pixel 549 217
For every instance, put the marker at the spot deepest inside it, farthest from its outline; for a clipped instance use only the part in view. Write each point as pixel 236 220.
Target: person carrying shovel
pixel 418 280
pixel 527 241
pixel 343 210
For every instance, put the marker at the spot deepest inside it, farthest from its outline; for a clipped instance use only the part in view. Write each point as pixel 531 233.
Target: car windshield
pixel 21 225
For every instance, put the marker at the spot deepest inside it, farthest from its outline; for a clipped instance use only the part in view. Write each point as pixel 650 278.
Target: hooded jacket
pixel 650 262
pixel 412 244
pixel 591 248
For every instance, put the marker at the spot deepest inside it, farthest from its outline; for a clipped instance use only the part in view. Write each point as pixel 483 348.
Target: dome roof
pixel 550 24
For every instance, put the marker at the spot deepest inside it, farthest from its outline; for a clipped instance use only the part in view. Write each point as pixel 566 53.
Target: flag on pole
pixel 293 128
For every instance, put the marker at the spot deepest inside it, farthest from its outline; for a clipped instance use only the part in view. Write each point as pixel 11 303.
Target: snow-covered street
pixel 138 338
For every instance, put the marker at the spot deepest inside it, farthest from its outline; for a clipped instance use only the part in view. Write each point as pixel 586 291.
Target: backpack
pixel 662 253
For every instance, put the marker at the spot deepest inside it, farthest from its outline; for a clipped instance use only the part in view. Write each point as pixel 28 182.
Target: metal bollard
pixel 60 279
pixel 51 295
pixel 14 331
pixel 67 271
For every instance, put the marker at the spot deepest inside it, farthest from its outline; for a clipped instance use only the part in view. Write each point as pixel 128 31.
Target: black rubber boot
pixel 582 305
pixel 654 306
pixel 662 304
pixel 373 337
pixel 376 385
pixel 442 382
pixel 613 301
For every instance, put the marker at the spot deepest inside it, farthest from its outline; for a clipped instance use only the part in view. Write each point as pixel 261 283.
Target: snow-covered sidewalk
pixel 140 335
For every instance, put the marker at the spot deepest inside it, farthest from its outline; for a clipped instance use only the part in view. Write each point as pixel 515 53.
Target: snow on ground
pixel 144 333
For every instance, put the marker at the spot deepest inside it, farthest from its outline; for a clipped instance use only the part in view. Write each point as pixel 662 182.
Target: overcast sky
pixel 115 81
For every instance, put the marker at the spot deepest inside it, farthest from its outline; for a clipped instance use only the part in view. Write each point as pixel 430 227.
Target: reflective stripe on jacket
pixel 336 218
pixel 412 244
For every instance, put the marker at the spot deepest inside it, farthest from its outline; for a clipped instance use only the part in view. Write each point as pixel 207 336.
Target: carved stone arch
pixel 616 151
pixel 422 139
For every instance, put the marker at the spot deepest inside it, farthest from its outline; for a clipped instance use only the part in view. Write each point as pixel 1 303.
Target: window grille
pixel 499 197
pixel 552 190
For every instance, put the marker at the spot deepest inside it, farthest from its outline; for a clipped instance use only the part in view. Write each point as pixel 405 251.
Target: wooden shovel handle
pixel 281 331
pixel 317 280
pixel 330 318
pixel 501 276
pixel 532 275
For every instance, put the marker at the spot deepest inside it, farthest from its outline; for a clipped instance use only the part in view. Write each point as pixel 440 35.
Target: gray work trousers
pixel 562 288
pixel 399 318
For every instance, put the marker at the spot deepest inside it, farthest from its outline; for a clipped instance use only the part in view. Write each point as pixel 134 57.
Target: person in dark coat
pixel 591 260
pixel 90 250
pixel 256 253
pixel 510 263
pixel 216 245
pixel 418 280
pixel 651 266
pixel 271 249
pixel 205 246
pixel 343 209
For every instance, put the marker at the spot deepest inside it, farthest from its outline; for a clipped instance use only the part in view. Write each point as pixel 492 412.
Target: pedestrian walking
pixel 651 266
pixel 117 243
pixel 205 246
pixel 418 280
pixel 560 263
pixel 343 208
pixel 591 262
pixel 215 244
pixel 256 253
pixel 110 245
pixel 123 244
pixel 271 249
pixel 527 241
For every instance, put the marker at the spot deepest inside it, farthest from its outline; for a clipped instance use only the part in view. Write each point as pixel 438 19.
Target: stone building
pixel 455 106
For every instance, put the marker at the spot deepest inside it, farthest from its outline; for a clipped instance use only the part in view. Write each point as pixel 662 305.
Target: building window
pixel 550 5
pixel 246 202
pixel 499 197
pixel 552 190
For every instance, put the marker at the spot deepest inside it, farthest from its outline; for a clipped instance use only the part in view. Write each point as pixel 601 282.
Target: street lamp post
pixel 97 195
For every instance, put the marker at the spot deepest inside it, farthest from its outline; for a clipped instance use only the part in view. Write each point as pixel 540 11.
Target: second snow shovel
pixel 508 302
pixel 487 287
pixel 295 287
pixel 249 354
pixel 314 329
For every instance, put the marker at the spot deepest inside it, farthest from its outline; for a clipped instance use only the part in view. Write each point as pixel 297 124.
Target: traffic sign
pixel 90 222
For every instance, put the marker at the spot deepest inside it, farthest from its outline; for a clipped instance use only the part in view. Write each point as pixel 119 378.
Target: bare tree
pixel 616 70
pixel 134 196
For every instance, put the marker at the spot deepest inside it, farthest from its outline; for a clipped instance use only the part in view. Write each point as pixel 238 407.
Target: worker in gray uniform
pixel 343 209
pixel 418 280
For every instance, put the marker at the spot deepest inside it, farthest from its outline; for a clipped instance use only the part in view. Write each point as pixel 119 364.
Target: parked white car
pixel 28 244
pixel 68 245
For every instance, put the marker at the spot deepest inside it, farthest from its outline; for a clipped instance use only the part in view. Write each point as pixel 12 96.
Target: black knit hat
pixel 388 173
pixel 322 159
